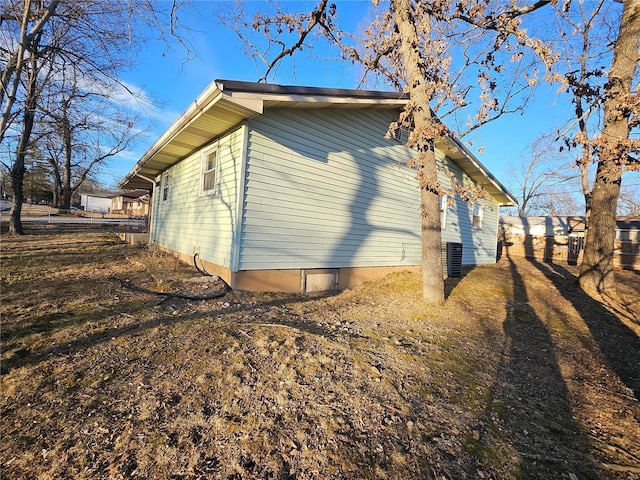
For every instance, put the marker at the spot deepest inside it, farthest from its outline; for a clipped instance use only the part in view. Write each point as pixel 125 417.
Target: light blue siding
pixel 479 243
pixel 320 188
pixel 190 221
pixel 325 189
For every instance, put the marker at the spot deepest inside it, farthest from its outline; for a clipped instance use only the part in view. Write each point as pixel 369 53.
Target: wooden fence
pixel 566 249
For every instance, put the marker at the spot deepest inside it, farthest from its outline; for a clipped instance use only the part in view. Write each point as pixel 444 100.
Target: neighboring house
pixel 561 239
pixel 96 202
pixel 135 202
pixel 287 188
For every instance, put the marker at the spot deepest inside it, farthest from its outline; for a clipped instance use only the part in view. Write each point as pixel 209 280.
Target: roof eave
pixel 459 153
pixel 213 112
pixel 224 104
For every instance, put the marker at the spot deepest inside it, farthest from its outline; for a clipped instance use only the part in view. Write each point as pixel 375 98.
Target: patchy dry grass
pixel 520 375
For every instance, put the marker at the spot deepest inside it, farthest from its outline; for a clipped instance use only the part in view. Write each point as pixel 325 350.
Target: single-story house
pixel 289 188
pixel 135 202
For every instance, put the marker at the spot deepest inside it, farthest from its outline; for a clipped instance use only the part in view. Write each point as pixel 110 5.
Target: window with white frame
pixel 209 167
pixel 444 203
pixel 165 186
pixel 478 212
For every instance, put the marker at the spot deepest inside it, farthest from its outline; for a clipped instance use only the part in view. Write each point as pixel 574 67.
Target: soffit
pixel 189 133
pixel 470 165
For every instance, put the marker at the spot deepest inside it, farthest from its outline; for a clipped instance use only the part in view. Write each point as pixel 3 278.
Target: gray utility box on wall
pixel 454 259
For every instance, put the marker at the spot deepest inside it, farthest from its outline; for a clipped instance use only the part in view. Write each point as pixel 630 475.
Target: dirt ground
pixel 519 376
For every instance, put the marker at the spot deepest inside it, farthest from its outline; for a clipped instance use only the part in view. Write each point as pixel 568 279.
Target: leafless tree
pixel 543 179
pixel 81 127
pixel 607 111
pixel 583 55
pixel 629 201
pixel 99 38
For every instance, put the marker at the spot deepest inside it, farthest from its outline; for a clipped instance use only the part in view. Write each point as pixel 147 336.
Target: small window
pixel 444 203
pixel 209 166
pixel 478 211
pixel 165 187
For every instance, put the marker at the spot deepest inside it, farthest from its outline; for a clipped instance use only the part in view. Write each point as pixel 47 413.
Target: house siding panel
pixel 189 221
pixel 325 189
pixel 479 243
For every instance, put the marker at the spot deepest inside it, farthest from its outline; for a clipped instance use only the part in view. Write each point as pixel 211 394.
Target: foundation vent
pixel 316 282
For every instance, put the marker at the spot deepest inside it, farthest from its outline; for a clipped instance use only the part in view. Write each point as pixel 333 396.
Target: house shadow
pixel 618 343
pixel 528 412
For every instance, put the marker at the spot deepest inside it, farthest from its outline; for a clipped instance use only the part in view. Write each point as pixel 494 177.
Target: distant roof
pixel 226 103
pixel 140 192
pixel 98 194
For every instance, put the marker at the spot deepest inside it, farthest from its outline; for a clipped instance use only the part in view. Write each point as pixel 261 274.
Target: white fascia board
pixel 211 95
pixel 470 157
pixel 329 100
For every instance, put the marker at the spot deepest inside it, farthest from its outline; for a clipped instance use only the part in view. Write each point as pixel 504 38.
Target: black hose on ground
pixel 134 288
pixel 205 273
pixel 211 296
pixel 201 270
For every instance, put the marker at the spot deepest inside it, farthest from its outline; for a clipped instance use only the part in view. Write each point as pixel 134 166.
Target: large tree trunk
pixel 432 277
pixel 596 272
pixel 65 198
pixel 420 93
pixel 17 185
pixel 18 168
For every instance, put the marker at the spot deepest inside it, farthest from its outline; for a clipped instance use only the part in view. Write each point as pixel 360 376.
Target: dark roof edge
pixel 271 88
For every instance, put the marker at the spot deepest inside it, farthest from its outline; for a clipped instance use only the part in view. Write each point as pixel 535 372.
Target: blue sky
pixel 172 83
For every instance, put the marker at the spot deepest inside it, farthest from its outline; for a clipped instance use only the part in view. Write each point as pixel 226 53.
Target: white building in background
pixel 96 202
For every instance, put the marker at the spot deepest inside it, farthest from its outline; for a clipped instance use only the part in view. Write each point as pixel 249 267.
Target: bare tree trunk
pixel 65 197
pixel 596 272
pixel 56 196
pixel 18 168
pixel 17 184
pixel 587 193
pixel 57 182
pixel 420 94
pixel 432 276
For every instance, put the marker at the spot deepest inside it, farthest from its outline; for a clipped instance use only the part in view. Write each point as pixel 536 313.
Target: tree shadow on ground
pixel 618 343
pixel 154 319
pixel 528 417
pixel 450 283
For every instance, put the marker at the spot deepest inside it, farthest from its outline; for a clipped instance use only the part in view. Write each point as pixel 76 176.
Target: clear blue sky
pixel 172 84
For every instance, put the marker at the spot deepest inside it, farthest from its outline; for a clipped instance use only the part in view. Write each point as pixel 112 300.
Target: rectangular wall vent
pixel 320 282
